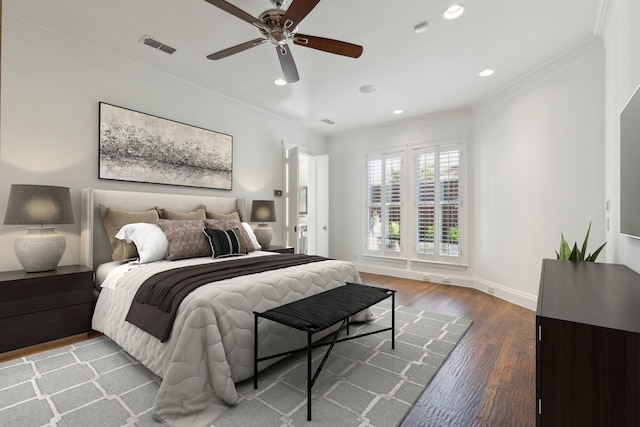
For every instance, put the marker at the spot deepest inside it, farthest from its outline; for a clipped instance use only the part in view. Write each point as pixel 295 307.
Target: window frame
pixel 437 255
pixel 384 250
pixel 409 205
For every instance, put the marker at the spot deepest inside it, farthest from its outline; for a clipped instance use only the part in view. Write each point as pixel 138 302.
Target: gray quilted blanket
pixel 211 343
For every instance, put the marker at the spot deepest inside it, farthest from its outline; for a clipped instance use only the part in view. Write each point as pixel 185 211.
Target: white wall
pixel 535 168
pixel 622 42
pixel 51 87
pixel 539 169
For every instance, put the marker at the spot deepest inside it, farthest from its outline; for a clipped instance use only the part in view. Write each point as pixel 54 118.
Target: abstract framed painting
pixel 140 147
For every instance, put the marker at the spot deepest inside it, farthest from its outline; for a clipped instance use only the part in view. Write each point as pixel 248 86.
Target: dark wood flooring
pixel 489 379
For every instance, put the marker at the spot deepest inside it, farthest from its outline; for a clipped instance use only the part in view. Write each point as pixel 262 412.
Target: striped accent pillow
pixel 226 243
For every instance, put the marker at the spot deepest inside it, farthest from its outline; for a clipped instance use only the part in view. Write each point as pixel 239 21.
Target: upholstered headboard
pixel 94 243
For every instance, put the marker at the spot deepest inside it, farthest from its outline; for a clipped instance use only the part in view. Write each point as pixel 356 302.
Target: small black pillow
pixel 226 243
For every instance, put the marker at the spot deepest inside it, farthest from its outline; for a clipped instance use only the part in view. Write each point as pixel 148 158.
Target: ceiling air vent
pixel 328 121
pixel 157 45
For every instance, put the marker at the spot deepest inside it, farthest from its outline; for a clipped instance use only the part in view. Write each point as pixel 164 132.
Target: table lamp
pixel 263 211
pixel 41 248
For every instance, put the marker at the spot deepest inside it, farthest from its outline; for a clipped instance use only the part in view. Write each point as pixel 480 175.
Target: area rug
pixel 364 382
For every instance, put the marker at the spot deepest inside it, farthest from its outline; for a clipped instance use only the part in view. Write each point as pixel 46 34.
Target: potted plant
pixel 568 254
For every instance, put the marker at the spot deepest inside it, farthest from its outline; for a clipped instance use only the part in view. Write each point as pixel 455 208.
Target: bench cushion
pixel 318 312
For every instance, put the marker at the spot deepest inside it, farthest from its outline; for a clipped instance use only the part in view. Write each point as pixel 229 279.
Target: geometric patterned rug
pixel 363 383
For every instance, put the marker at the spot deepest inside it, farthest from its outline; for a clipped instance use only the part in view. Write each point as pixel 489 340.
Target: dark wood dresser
pixel 40 307
pixel 588 345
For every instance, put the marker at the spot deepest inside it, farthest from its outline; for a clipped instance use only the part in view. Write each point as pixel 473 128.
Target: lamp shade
pixel 39 204
pixel 263 211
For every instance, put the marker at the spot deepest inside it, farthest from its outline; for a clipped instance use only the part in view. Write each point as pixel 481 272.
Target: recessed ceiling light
pixel 398 111
pixel 280 82
pixel 368 89
pixel 453 12
pixel 421 27
pixel 486 72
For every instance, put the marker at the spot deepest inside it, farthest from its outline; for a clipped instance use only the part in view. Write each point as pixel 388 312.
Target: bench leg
pixel 255 352
pixel 393 320
pixel 309 385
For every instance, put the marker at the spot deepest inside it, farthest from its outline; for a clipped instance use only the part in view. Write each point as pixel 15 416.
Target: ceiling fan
pixel 279 27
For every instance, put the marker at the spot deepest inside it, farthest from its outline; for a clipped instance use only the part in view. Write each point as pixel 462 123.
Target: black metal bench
pixel 319 312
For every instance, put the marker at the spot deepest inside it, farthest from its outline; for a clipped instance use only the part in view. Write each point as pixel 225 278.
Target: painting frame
pixel 140 147
pixel 302 200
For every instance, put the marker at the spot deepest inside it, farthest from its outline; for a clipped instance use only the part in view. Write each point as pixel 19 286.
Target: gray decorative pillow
pixel 226 243
pixel 199 213
pixel 224 217
pixel 113 220
pixel 186 239
pixel 229 224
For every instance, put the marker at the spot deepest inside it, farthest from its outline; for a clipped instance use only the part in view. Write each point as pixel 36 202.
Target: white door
pixel 321 200
pixel 291 196
pixel 307 202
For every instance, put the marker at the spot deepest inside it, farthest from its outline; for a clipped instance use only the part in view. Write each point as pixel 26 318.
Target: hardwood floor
pixel 489 379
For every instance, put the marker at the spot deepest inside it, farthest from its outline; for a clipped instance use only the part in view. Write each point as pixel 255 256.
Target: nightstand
pixel 40 307
pixel 280 249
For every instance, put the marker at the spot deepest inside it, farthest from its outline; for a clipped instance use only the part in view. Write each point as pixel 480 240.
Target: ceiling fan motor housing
pixel 278 32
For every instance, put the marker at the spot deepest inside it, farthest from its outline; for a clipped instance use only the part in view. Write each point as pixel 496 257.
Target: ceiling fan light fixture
pixel 453 11
pixel 368 89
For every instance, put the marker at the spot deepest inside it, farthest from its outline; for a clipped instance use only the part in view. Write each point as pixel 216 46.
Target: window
pixel 384 204
pixel 438 202
pixel 431 226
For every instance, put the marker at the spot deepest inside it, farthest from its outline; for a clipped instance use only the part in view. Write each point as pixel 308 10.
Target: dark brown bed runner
pixel 156 303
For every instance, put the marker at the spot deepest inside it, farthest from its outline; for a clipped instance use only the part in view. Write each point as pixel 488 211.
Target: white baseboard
pixel 513 296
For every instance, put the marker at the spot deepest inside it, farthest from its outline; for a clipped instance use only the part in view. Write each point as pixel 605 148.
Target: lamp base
pixel 263 233
pixel 40 249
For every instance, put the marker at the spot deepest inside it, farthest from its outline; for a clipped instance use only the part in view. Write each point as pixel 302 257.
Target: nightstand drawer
pixel 35 328
pixel 40 307
pixel 37 293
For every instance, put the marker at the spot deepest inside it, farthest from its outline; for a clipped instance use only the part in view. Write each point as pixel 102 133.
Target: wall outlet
pixel 491 290
pixel 446 279
pixel 426 278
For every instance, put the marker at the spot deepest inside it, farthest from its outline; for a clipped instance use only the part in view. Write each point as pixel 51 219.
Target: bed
pixel 210 345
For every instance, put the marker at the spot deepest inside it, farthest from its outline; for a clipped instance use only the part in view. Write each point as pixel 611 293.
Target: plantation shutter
pixel 384 202
pixel 425 202
pixel 393 175
pixel 449 177
pixel 374 205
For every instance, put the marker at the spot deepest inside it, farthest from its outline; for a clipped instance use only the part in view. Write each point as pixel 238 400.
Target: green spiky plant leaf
pixel 567 253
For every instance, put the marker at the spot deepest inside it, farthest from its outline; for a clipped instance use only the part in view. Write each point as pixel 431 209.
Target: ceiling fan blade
pixel 297 11
pixel 329 45
pixel 287 63
pixel 238 13
pixel 235 49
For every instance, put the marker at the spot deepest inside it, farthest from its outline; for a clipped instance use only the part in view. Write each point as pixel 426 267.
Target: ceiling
pixel 421 73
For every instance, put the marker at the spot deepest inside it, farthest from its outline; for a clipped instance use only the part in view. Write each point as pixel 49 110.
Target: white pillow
pixel 151 242
pixel 252 236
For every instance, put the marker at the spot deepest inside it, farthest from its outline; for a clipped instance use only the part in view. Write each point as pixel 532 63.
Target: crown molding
pixel 46 38
pixel 557 63
pixel 604 17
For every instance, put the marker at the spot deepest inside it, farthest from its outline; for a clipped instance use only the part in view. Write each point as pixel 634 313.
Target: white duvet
pixel 211 343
